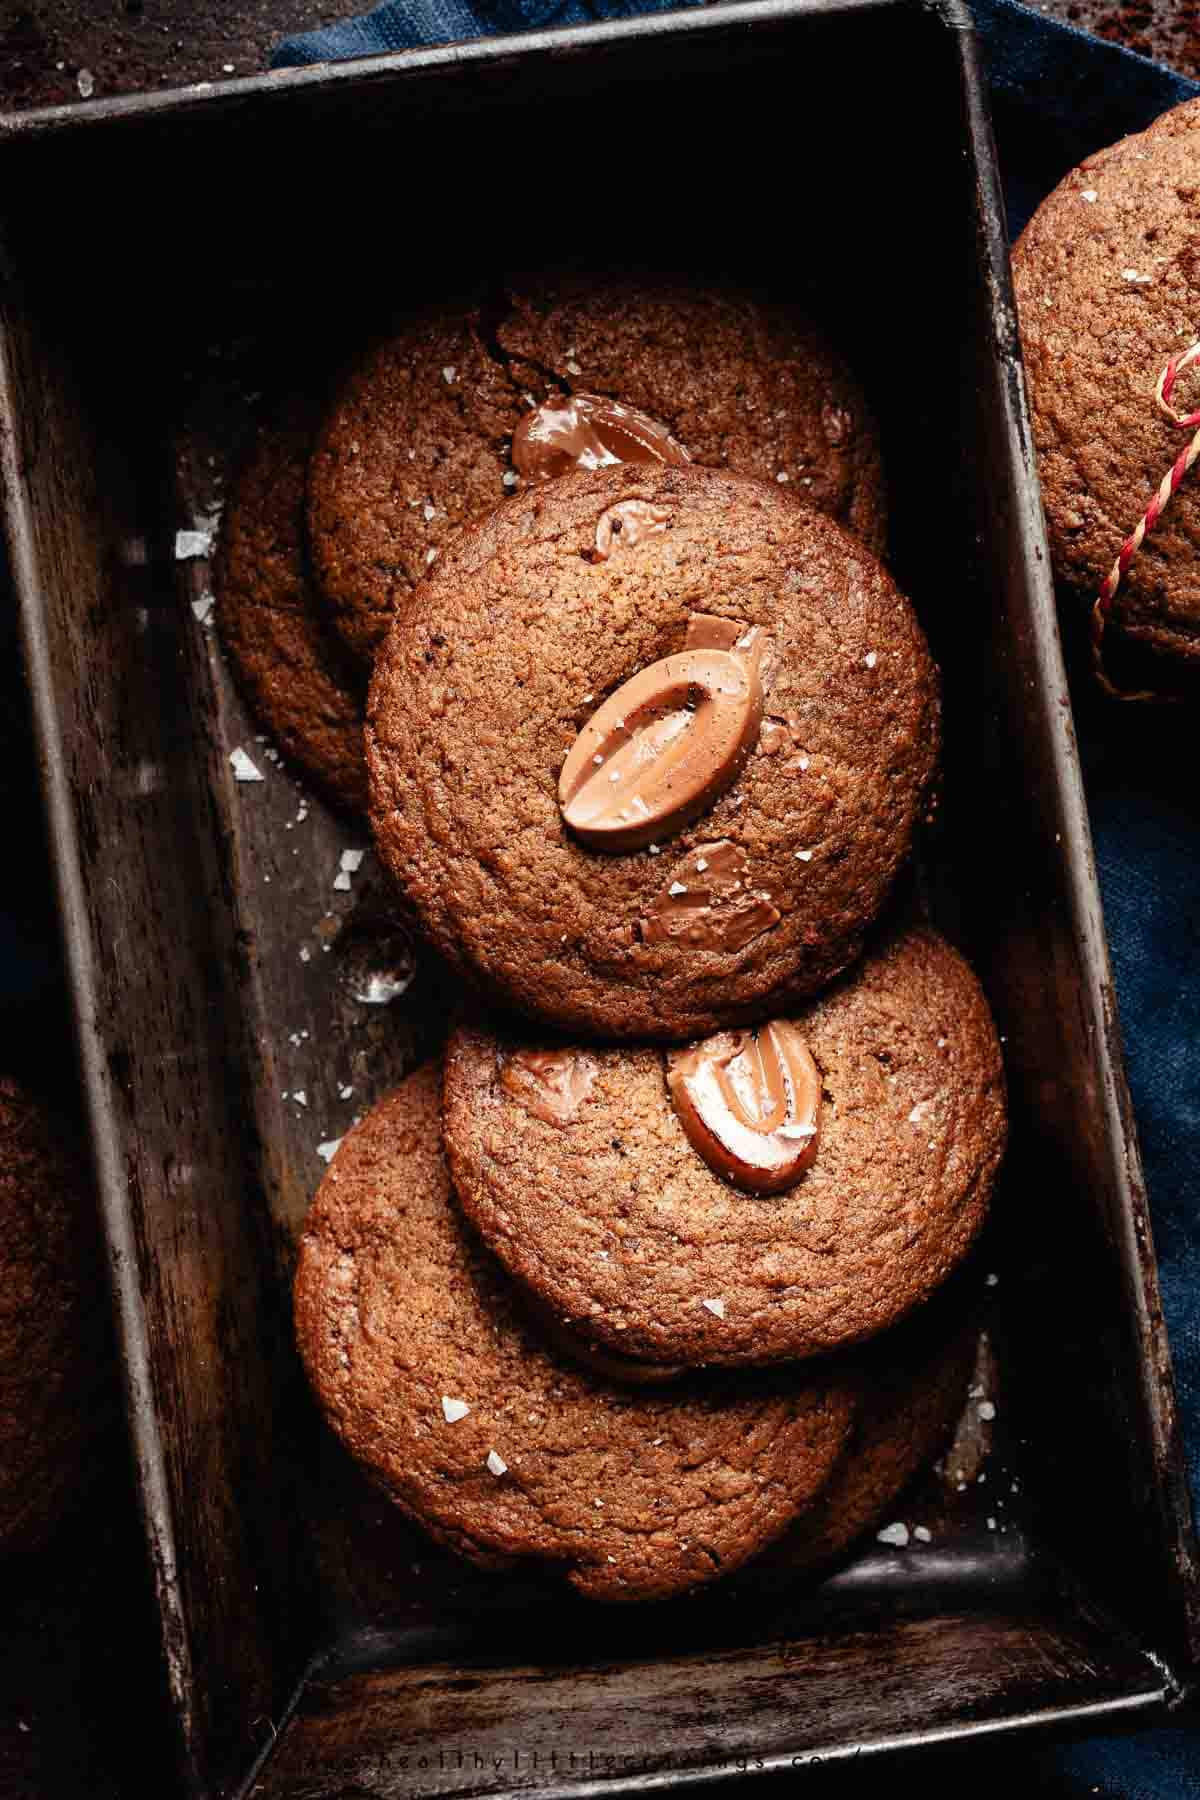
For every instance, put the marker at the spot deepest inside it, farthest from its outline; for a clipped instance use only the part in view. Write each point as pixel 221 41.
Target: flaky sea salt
pixel 871 658
pixel 341 882
pixel 496 1464
pixel 189 544
pixel 1090 195
pixel 1132 275
pixel 987 1409
pixel 677 887
pixel 243 768
pixel 716 1307
pixel 351 861
pixel 804 856
pixel 894 1534
pixel 85 81
pixel 453 1410
pixel 922 1534
pixel 449 374
pixel 328 1150
pixel 203 608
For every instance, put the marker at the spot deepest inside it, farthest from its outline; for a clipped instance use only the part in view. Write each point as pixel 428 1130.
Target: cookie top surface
pixel 292 668
pixel 1107 278
pixel 609 1215
pixel 632 1493
pixel 53 1321
pixel 418 442
pixel 510 649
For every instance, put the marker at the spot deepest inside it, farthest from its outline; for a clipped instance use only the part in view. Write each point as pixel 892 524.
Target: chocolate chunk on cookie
pixel 294 671
pixel 420 439
pixel 428 1367
pixel 54 1339
pixel 577 1168
pixel 1107 276
pixel 658 787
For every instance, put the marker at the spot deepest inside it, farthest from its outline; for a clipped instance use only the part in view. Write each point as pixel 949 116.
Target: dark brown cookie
pixel 508 651
pixel 53 1323
pixel 429 1370
pixel 585 1185
pixel 1107 277
pixel 915 1392
pixel 293 670
pixel 418 441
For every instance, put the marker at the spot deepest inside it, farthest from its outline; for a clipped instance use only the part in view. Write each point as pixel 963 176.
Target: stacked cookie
pixel 343 504
pixel 637 1281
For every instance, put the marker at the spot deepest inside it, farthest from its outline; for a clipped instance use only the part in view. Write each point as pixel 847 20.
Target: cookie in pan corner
pixel 430 1369
pixel 426 431
pixel 766 1195
pixel 54 1338
pixel 295 673
pixel 650 749
pixel 1107 276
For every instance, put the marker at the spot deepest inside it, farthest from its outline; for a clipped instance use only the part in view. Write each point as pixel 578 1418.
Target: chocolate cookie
pixel 53 1323
pixel 293 670
pixel 419 440
pixel 913 1400
pixel 578 1168
pixel 430 1371
pixel 1107 278
pixel 717 851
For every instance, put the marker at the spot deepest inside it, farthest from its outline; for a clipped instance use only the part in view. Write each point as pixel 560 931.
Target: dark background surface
pixel 82 1712
pixel 134 46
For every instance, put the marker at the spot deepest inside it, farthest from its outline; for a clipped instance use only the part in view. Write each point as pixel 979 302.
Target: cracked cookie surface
pixel 507 651
pixel 295 673
pixel 418 441
pixel 430 1371
pixel 612 1219
pixel 1107 279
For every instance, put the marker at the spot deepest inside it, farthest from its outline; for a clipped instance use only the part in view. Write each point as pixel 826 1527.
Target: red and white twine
pixel 1167 487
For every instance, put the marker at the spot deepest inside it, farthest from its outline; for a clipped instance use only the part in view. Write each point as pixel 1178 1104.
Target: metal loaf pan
pixel 165 256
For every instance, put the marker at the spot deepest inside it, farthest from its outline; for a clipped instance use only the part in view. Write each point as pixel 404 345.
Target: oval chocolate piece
pixel 749 1103
pixel 661 749
pixel 550 1084
pixel 587 431
pixel 627 523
